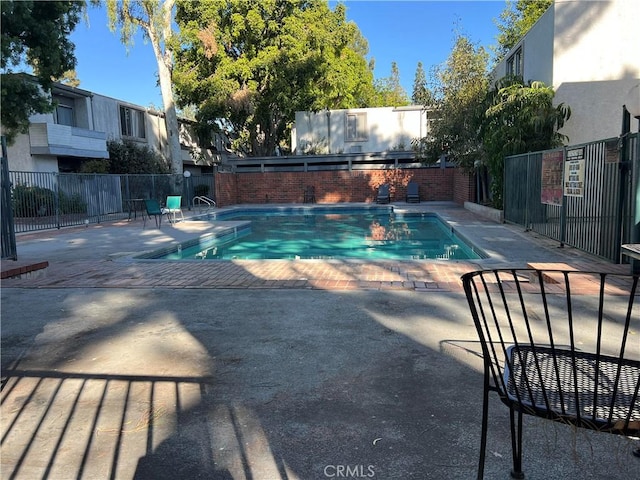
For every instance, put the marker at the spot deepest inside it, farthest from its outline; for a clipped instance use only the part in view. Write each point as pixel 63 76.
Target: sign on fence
pixel 551 192
pixel 574 178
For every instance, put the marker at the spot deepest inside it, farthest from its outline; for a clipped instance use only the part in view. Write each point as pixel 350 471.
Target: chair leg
pixel 516 444
pixel 485 422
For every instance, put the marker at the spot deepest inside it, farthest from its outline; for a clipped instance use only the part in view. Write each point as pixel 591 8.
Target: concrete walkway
pixel 115 368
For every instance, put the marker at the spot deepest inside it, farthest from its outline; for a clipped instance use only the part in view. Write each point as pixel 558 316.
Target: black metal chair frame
pixel 557 345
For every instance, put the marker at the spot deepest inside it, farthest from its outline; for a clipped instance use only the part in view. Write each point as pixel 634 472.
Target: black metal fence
pixel 43 200
pixel 580 195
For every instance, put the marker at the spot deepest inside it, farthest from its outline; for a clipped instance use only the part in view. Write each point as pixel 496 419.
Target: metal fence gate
pixel 580 195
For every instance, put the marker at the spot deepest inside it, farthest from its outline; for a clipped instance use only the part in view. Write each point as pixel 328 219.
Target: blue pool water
pixel 329 234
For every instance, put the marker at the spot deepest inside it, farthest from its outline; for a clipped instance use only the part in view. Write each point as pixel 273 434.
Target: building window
pixel 356 130
pixel 64 115
pixel 514 64
pixel 132 122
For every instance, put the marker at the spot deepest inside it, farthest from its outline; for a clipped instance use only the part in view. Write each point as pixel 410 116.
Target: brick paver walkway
pixel 309 274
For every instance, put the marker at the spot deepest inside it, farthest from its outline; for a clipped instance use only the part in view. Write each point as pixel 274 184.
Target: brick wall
pixel 464 187
pixel 335 186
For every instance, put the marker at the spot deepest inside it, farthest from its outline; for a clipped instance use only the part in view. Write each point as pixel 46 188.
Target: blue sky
pixel 406 32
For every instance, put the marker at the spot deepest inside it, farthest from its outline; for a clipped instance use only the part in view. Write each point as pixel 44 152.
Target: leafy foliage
pixel 155 19
pixel 461 87
pixel 421 94
pixel 32 201
pixel 202 189
pixel 34 34
pixel 516 20
pixel 256 62
pixel 476 127
pixel 520 118
pixel 389 91
pixel 131 157
pixel 128 157
pixel 95 166
pixel 70 77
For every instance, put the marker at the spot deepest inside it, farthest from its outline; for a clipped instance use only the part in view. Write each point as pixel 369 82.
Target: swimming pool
pixel 374 233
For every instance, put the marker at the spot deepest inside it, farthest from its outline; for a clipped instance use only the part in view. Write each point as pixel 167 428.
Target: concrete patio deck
pixel 115 368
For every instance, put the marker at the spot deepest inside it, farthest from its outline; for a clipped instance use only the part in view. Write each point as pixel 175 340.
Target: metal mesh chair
pixel 560 345
pixel 173 207
pixel 153 210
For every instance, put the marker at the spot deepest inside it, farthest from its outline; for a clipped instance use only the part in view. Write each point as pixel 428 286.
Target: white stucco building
pixel 82 123
pixel 589 51
pixel 358 130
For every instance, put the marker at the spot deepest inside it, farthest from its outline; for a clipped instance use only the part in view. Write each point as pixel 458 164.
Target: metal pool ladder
pixel 204 203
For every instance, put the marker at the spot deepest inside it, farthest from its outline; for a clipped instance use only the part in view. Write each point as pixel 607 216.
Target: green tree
pixel 255 62
pixel 128 157
pixel 520 118
pixel 461 87
pixel 155 17
pixel 70 77
pixel 389 91
pixel 34 35
pixel 516 20
pixel 421 94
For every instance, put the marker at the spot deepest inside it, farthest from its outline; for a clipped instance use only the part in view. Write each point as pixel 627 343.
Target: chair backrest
pixel 412 188
pixel 561 344
pixel 173 202
pixel 153 207
pixel 383 190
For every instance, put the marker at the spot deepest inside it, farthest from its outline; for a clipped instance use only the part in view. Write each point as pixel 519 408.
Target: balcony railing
pixel 337 161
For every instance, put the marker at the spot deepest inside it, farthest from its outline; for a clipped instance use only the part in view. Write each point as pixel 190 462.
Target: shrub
pixel 130 157
pixel 41 202
pixel 32 201
pixel 71 204
pixel 96 166
pixel 201 190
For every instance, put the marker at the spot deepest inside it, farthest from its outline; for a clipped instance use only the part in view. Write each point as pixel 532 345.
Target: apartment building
pixel 589 52
pixel 358 130
pixel 83 122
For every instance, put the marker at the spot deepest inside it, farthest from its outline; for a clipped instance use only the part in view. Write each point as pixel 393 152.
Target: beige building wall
pixel 376 130
pixel 596 63
pixel 589 52
pixel 21 160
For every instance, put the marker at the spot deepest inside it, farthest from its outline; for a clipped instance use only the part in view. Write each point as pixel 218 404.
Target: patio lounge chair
pixel 153 210
pixel 383 194
pixel 413 194
pixel 309 194
pixel 172 207
pixel 558 345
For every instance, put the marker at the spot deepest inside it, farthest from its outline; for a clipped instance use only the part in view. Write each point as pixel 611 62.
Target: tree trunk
pixel 164 59
pixel 171 118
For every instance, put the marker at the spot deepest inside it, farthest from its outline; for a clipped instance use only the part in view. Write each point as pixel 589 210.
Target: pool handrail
pixel 202 199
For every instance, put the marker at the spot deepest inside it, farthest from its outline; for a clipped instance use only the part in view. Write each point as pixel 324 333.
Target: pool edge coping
pixel 153 255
